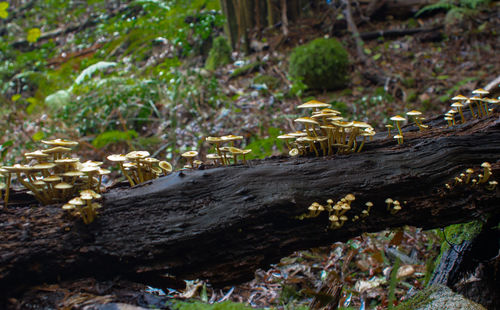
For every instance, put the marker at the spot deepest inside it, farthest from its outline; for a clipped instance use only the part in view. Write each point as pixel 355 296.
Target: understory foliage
pixel 456 9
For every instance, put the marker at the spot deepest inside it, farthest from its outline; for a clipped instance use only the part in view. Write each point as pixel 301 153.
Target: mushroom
pixel 416 114
pixel 389 202
pixel 309 123
pixel 286 137
pixel 101 172
pixel 399 138
pixel 398 119
pixel 165 166
pixel 57 151
pixel 90 171
pixel 293 152
pixel 136 157
pixel 314 104
pixel 120 159
pixel 459 107
pixel 215 158
pixel 389 127
pixel 8 178
pixel 79 203
pixel 469 172
pixel 63 186
pixel 396 208
pixel 487 172
pixel 491 185
pixel 368 205
pixel 217 141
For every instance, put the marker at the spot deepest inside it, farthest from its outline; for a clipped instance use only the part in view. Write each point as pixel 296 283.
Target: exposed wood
pixel 284 18
pixel 223 223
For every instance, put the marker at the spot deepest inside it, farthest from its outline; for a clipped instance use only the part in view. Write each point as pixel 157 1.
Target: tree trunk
pixel 223 223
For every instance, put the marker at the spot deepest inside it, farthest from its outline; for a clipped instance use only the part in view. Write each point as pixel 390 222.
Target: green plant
pixel 220 54
pixel 456 9
pixel 198 305
pixel 322 63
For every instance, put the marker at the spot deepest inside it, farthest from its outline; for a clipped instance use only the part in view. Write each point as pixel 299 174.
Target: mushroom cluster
pixel 223 154
pixel 84 206
pixel 326 132
pixel 336 212
pixel 138 166
pixel 478 105
pixel 470 178
pixel 52 175
pixel 393 206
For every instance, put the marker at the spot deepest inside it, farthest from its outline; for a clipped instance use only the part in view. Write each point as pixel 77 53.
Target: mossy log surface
pixel 223 223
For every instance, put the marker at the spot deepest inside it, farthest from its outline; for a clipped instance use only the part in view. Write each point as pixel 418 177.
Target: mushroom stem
pixel 472 110
pixel 31 188
pixel 461 115
pixel 362 144
pixel 7 189
pixel 126 174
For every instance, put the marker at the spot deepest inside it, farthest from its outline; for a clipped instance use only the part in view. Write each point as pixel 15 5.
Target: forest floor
pixel 425 71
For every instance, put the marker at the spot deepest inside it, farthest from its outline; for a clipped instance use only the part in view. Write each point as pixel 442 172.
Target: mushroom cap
pixel 63 185
pixel 235 150
pixel 312 207
pixel 298 134
pixel 231 138
pixel 313 104
pixel 137 155
pixel 306 120
pixel 150 160
pixel 285 136
pixel 343 218
pixel 165 166
pixel 328 110
pixel 57 149
pixel 492 100
pixel 397 207
pixel 213 156
pixel 246 151
pixel 130 165
pixel 398 118
pixel 60 142
pixel 475 98
pixel 52 179
pixel 73 173
pixel 369 204
pixel 36 154
pixel 17 168
pixel 44 166
pixel 342 124
pixel 213 139
pixel 189 154
pixel 480 91
pixel 68 206
pixel 413 113
pixel 66 160
pixel 361 124
pixel 457 105
pixel 92 163
pixel 117 157
pixel 486 165
pixel 335 118
pixel 469 170
pixel 493 182
pixel 459 97
pixel 389 126
pixel 89 192
pixel 329 201
pixel 350 197
pixel 89 168
pixel 389 200
pixel 293 152
pixel 333 218
pixel 398 136
pixel 102 171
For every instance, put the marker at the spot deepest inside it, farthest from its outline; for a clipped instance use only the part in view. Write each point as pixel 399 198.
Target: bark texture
pixel 223 223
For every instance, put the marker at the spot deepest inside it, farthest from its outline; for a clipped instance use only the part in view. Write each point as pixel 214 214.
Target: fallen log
pixel 223 223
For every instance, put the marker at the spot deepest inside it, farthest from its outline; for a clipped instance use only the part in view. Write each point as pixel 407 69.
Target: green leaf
pixel 377 56
pixel 3 9
pixel 33 35
pixel 38 136
pixel 15 97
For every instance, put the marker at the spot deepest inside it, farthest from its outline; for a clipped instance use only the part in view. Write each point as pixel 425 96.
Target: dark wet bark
pixel 471 268
pixel 223 223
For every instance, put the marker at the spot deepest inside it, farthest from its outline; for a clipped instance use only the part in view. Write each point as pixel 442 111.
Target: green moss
pixel 458 233
pixel 219 55
pixel 420 299
pixel 322 63
pixel 246 69
pixel 197 305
